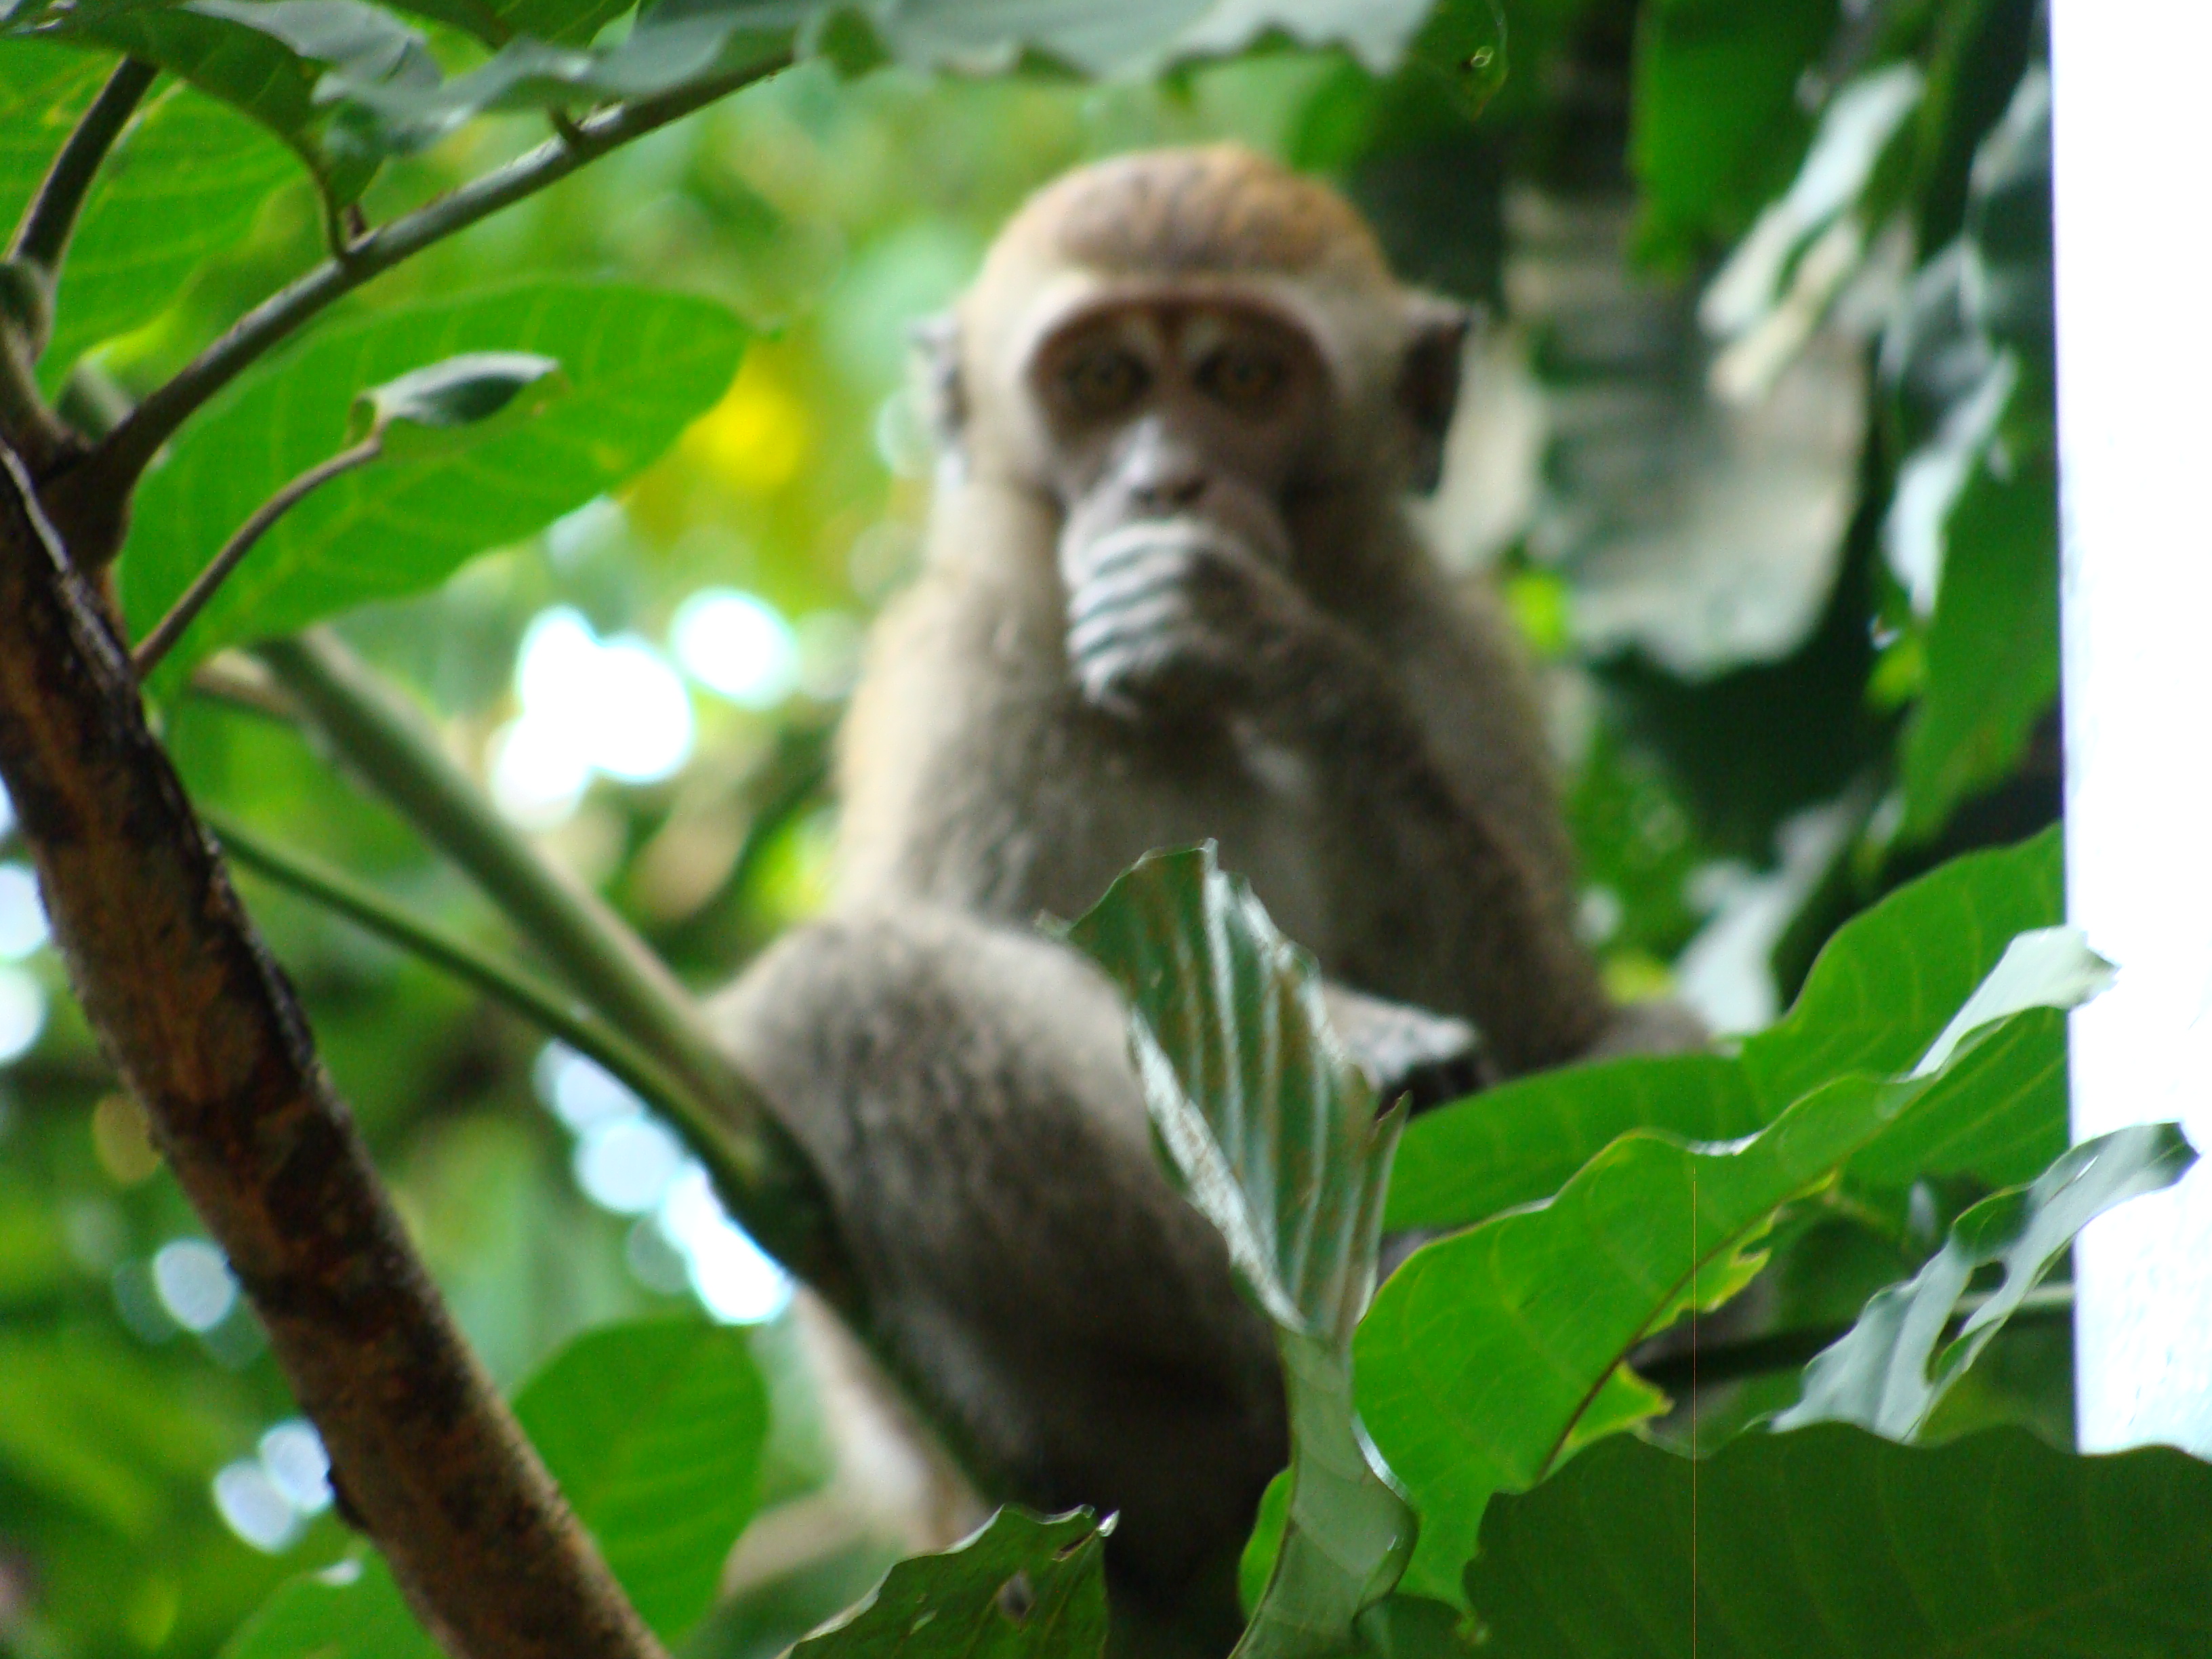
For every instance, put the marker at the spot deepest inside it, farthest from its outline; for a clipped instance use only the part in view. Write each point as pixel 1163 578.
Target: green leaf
pixel 1887 984
pixel 1520 1141
pixel 654 1430
pixel 263 58
pixel 350 1611
pixel 1830 1542
pixel 1022 1586
pixel 1879 994
pixel 43 90
pixel 495 22
pixel 639 365
pixel 663 53
pixel 1490 1356
pixel 1880 1376
pixel 458 392
pixel 1273 1132
pixel 183 183
pixel 1717 128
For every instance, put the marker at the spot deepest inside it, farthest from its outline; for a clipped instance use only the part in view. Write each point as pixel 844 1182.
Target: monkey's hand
pixel 1175 617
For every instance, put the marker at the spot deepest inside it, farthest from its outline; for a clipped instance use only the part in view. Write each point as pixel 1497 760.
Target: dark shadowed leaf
pixel 654 1430
pixel 1021 1589
pixel 1832 1542
pixel 1718 127
pixel 1887 1374
pixel 639 364
pixel 1880 993
pixel 1491 1355
pixel 495 22
pixel 1273 1133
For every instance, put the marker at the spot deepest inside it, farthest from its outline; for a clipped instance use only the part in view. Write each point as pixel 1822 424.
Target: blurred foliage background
pixel 1768 357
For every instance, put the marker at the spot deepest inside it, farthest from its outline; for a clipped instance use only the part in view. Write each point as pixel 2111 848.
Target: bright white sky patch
pixel 23 1012
pixel 588 706
pixel 22 917
pixel 737 646
pixel 194 1283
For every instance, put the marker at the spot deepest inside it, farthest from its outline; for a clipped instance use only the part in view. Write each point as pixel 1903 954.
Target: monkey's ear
pixel 936 344
pixel 1428 380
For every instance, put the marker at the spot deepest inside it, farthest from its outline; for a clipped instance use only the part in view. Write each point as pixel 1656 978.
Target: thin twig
pixel 541 1003
pixel 43 236
pixel 207 1034
pixel 155 646
pixel 763 1175
pixel 88 500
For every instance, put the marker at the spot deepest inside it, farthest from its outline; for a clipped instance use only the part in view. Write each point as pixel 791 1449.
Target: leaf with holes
pixel 1491 1355
pixel 1022 1588
pixel 639 364
pixel 1273 1132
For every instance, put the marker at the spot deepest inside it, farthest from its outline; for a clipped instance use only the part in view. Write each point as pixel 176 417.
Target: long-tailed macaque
pixel 1172 592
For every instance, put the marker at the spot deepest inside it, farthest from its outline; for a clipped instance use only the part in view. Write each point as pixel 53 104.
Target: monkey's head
pixel 1198 337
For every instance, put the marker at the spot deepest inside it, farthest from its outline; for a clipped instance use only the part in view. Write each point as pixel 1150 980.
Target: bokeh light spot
pixel 737 645
pixel 23 1012
pixel 194 1283
pixel 254 1507
pixel 626 1165
pixel 22 915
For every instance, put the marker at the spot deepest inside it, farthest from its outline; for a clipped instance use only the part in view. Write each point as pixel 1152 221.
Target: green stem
pixel 763 1175
pixel 156 644
pixel 521 990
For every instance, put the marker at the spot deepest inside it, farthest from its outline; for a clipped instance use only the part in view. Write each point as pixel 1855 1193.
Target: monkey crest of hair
pixel 1172 592
pixel 1221 210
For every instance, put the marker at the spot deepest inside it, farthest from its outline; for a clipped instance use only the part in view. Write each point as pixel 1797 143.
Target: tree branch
pixel 541 1003
pixel 164 633
pixel 764 1177
pixel 205 1029
pixel 88 500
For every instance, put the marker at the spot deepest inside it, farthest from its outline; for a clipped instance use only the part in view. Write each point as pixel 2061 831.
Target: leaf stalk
pixel 165 632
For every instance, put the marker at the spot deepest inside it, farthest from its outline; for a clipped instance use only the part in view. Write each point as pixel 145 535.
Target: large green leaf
pixel 1021 1589
pixel 1886 1374
pixel 639 365
pixel 183 183
pixel 1491 1355
pixel 43 90
pixel 655 1432
pixel 1832 1543
pixel 265 58
pixel 1272 1131
pixel 1881 990
pixel 495 22
pixel 1717 127
pixel 679 43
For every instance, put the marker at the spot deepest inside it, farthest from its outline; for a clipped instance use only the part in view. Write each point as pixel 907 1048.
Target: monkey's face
pixel 1203 414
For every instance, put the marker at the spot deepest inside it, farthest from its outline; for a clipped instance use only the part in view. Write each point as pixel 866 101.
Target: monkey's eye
pixel 1247 376
pixel 1103 380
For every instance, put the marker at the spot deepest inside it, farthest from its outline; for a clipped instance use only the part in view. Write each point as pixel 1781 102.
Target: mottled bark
pixel 204 1027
